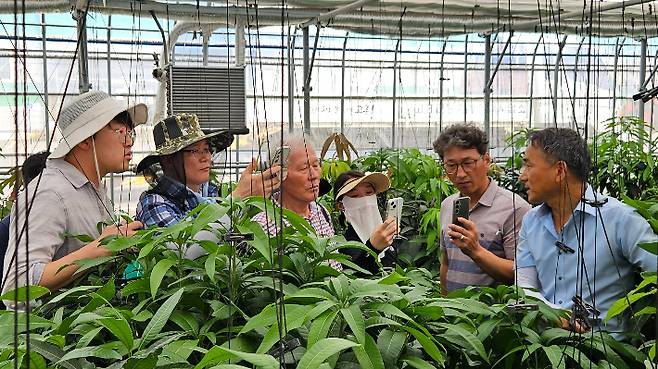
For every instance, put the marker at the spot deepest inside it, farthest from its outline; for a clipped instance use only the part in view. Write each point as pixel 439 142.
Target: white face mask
pixel 363 214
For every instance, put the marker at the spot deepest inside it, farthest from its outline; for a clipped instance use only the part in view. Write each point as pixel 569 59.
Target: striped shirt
pixel 319 219
pixel 499 225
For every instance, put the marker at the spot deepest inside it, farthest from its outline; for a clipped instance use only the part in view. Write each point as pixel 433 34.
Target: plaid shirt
pixel 318 218
pixel 169 202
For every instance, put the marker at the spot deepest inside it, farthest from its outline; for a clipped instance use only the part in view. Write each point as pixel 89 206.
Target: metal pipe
pixel 575 78
pixel 240 42
pixel 80 15
pixel 556 76
pixel 500 60
pixel 395 83
pixel 643 75
pixel 578 13
pixel 204 47
pixel 465 73
pixel 44 60
pixel 307 87
pixel 108 57
pixel 343 9
pixel 291 82
pixel 532 80
pixel 342 86
pixel 614 74
pixel 487 87
pixel 441 79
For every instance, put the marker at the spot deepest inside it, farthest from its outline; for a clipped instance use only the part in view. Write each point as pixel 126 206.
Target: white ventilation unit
pixel 215 94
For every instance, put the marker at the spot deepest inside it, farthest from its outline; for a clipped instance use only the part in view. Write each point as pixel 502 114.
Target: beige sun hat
pixel 379 182
pixel 87 114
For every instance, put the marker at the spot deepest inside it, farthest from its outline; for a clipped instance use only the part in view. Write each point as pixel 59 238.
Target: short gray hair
pixel 295 141
pixel 466 136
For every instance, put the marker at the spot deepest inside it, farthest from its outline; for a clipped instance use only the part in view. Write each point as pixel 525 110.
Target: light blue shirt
pixel 608 267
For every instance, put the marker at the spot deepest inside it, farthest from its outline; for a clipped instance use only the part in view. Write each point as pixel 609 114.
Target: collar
pixel 589 196
pixel 71 173
pixel 488 196
pixel 174 188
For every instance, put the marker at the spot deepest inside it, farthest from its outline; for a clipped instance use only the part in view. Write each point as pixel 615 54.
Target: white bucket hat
pixel 87 114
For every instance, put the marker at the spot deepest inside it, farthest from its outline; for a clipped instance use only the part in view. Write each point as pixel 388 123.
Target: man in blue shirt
pixel 577 242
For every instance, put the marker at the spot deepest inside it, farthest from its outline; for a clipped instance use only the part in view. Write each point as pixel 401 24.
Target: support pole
pixel 80 16
pixel 44 60
pixel 556 76
pixel 465 74
pixel 487 88
pixel 532 80
pixel 342 86
pixel 206 42
pixel 618 47
pixel 108 57
pixel 643 75
pixel 240 42
pixel 291 82
pixel 395 84
pixel 441 79
pixel 307 87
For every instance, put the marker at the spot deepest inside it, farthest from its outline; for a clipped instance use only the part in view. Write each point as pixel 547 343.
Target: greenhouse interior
pixel 306 184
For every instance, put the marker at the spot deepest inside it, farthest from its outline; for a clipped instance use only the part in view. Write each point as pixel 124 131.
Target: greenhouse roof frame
pixel 424 18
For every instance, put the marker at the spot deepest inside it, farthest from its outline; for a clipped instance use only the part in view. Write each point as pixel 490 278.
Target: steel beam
pixel 643 75
pixel 342 86
pixel 341 10
pixel 487 87
pixel 80 15
pixel 556 75
pixel 307 85
pixel 532 80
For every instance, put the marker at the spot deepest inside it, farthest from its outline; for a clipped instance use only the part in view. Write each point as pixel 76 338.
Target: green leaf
pixel 390 344
pixel 7 323
pixel 322 350
pixel 86 264
pixel 219 354
pixel 93 351
pixel 267 317
pixel 430 347
pixel 368 354
pixel 180 350
pixel 161 317
pixel 22 293
pixel 622 304
pixel 210 265
pixel 341 286
pixel 86 339
pixel 120 328
pixel 188 322
pixel 554 354
pixel 473 342
pixel 652 247
pixel 320 327
pixel 83 290
pixel 313 292
pixel 53 354
pixel 261 241
pixel 158 272
pixel 292 321
pixel 354 319
pixel 417 363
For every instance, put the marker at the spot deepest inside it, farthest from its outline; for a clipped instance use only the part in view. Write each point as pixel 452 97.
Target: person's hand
pixel 466 237
pixel 382 236
pixel 576 327
pixel 257 184
pixel 123 229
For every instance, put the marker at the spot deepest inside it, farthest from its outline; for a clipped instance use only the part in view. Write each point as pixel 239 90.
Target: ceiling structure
pixel 422 18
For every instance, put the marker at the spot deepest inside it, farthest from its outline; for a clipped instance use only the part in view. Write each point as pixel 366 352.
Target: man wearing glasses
pixel 478 251
pixel 70 198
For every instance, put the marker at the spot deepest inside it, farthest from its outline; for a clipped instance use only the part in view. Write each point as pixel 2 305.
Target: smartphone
pixel 280 157
pixel 394 209
pixel 460 208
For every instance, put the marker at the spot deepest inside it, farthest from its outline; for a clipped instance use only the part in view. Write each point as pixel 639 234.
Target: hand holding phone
pixel 279 157
pixel 460 208
pixel 394 210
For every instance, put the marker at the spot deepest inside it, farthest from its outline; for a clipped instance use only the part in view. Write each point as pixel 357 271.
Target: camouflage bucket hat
pixel 175 133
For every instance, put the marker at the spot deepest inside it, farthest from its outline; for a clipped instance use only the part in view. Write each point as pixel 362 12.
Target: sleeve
pixel 268 225
pixel 512 227
pixel 633 231
pixel 42 244
pixel 154 209
pixel 524 257
pixel 527 279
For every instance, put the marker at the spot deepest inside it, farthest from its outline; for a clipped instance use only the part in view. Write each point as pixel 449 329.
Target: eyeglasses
pixel 199 153
pixel 468 165
pixel 123 133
